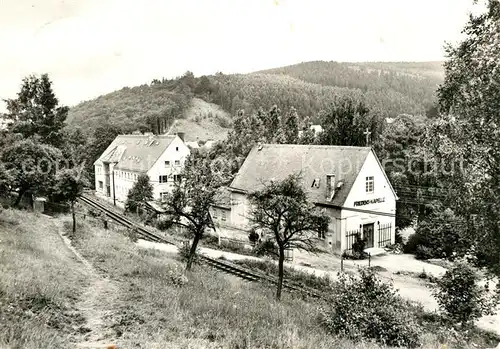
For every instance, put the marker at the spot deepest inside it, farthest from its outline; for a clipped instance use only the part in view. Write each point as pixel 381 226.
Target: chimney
pixel 330 187
pixel 181 135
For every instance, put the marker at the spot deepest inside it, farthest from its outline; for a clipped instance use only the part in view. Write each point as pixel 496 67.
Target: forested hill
pixel 388 89
pixel 407 87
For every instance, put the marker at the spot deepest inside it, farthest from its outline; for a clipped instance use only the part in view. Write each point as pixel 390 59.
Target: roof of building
pixel 276 161
pixel 136 153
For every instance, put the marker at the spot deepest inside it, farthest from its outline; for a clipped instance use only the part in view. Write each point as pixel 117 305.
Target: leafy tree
pixel 141 192
pixel 345 122
pixel 68 187
pixel 283 209
pixel 461 298
pixel 469 131
pixel 190 202
pixel 289 129
pixel 404 160
pixel 36 111
pixel 32 165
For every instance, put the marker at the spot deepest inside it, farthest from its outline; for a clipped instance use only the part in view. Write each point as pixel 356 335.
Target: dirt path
pixel 95 305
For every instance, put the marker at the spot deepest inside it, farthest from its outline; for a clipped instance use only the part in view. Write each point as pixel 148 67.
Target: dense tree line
pixel 141 108
pixel 373 79
pixel 311 87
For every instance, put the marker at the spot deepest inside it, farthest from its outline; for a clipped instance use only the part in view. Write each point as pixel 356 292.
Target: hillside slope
pixel 203 121
pixel 388 89
pixel 130 109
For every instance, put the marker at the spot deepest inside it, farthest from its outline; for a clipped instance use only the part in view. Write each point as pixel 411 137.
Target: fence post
pixel 105 224
pixel 369 259
pixel 342 262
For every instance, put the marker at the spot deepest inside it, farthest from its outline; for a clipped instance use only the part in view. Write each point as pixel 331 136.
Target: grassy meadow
pixel 39 283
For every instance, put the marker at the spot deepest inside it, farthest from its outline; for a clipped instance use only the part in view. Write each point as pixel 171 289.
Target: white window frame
pixel 370 184
pixel 177 162
pixel 163 179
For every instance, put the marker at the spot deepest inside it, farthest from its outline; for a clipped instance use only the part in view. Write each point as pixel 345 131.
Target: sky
pixel 92 47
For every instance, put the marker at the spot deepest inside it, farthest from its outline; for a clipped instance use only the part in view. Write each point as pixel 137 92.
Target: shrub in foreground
pixel 366 308
pixel 461 299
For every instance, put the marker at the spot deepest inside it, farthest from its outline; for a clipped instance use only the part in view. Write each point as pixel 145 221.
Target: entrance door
pixel 368 234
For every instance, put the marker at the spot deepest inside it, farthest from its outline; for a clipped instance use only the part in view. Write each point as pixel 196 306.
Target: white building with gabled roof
pixel 348 183
pixel 128 156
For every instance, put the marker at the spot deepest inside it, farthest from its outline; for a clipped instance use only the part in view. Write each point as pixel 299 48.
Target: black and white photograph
pixel 240 174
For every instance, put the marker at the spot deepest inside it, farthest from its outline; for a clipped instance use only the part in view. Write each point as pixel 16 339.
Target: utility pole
pixel 367 133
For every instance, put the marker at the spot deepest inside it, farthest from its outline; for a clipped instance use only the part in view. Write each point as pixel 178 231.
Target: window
pixel 177 162
pixel 163 196
pixel 176 148
pixel 163 179
pixel 214 214
pixel 223 215
pixel 101 185
pixel 369 184
pixel 167 163
pixel 135 176
pixel 177 178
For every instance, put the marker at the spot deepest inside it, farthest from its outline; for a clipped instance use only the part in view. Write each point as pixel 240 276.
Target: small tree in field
pixel 69 185
pixel 283 209
pixel 191 199
pixel 461 298
pixel 141 192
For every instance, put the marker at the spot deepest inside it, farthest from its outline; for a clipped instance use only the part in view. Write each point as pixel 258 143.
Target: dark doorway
pixel 368 234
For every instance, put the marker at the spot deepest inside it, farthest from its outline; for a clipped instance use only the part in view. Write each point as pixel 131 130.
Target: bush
pixel 177 277
pixel 253 236
pixel 358 249
pixel 163 225
pixel 366 308
pixel 424 252
pixel 414 240
pixel 266 248
pixel 460 298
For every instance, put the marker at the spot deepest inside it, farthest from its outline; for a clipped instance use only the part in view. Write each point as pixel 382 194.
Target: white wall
pixel 124 180
pixel 239 211
pixel 99 177
pixel 177 150
pixel 382 190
